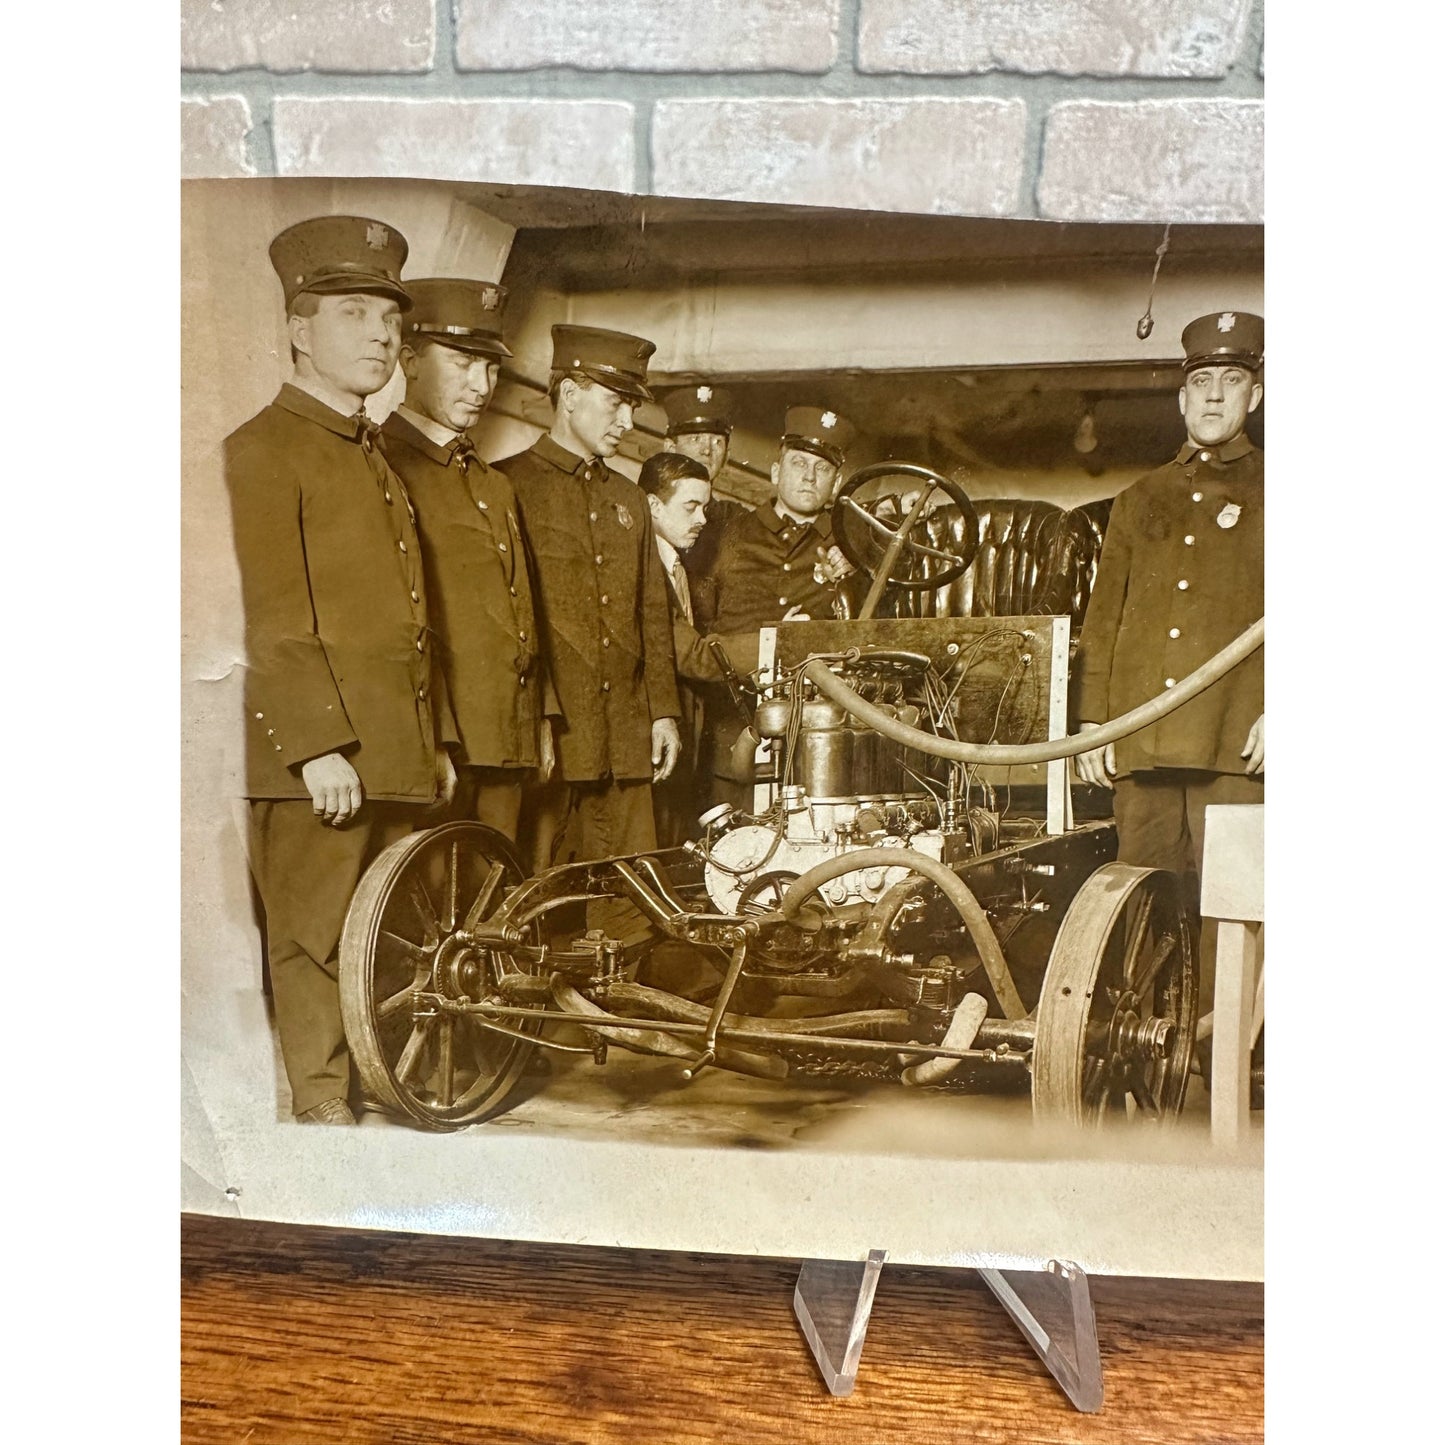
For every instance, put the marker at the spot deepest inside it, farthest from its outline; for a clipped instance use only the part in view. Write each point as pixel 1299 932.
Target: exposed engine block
pixel 743 856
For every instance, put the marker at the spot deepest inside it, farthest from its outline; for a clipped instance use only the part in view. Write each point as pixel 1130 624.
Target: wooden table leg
pixel 1236 963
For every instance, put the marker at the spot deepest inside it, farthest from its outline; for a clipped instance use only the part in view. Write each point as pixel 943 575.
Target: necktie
pixel 463 451
pixel 679 582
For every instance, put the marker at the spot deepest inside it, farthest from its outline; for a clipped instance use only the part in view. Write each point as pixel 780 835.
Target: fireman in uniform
pixel 602 596
pixel 479 573
pixel 347 718
pixel 1180 576
pixel 700 425
pixel 778 562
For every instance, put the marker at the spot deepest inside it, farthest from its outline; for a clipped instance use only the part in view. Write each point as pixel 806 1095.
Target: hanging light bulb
pixel 1086 439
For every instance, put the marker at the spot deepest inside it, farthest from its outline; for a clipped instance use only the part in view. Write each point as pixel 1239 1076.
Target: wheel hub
pixel 1132 1035
pixel 460 972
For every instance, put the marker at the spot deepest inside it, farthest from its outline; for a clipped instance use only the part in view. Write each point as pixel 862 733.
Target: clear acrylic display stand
pixel 1052 1308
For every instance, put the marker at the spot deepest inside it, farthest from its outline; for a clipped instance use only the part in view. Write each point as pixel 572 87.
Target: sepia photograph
pixel 723 726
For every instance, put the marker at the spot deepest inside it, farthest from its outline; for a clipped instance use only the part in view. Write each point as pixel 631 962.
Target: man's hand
pixel 1253 748
pixel 832 566
pixel 446 778
pixel 335 788
pixel 546 750
pixel 1096 767
pixel 796 614
pixel 666 747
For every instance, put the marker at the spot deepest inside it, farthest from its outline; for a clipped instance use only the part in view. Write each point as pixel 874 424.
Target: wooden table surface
pixel 358 1338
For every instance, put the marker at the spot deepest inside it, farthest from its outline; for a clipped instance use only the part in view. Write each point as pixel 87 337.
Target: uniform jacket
pixel 764 567
pixel 479 588
pixel 604 607
pixel 340 653
pixel 1181 575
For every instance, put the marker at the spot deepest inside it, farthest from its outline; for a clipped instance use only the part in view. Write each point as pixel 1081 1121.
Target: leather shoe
pixel 328 1111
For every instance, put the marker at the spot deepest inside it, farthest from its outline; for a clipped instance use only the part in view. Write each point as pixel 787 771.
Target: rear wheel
pixel 1119 1003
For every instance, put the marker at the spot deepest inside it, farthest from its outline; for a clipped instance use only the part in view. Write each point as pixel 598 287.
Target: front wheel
pixel 405 950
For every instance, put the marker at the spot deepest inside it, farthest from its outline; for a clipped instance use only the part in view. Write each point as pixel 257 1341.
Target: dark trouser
pixel 676 803
pixel 306 872
pixel 492 796
pixel 606 819
pixel 1160 816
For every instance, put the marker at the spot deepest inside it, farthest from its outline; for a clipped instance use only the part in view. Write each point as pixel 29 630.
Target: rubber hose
pixel 1015 754
pixel 980 930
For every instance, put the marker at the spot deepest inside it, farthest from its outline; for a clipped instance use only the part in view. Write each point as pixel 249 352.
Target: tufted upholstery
pixel 1033 558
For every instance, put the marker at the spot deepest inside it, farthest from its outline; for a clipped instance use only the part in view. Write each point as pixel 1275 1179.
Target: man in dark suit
pixel 678 492
pixel 348 722
pixel 1182 574
pixel 608 638
pixel 479 572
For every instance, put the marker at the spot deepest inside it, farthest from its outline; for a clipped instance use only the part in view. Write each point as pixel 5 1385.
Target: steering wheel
pixel 872 545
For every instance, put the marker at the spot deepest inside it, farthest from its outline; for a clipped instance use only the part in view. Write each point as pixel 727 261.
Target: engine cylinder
pixel 827 762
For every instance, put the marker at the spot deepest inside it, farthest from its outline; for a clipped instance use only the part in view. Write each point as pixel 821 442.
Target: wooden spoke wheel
pixel 405 949
pixel 1120 998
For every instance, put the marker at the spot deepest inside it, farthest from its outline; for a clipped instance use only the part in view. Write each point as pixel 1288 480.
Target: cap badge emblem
pixel 624 517
pixel 829 419
pixel 377 236
pixel 490 298
pixel 1226 321
pixel 1228 515
pixel 704 394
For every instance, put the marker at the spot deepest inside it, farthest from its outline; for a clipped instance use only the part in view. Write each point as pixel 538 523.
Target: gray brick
pixel 213 137
pixel 946 157
pixel 357 36
pixel 660 35
pixel 1153 160
pixel 1066 37
pixel 586 143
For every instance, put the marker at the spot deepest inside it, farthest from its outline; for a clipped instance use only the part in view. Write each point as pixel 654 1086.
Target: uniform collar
pixel 1231 451
pixel 300 402
pixel 444 436
pixel 775 522
pixel 405 425
pixel 558 456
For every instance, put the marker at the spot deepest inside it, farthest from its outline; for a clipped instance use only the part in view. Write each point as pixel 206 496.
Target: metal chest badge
pixel 1228 515
pixel 624 517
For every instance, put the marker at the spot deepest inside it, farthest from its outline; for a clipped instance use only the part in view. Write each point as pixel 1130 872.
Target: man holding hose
pixel 1181 575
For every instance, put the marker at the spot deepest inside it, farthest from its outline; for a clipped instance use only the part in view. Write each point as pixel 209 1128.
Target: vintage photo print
pixel 722 726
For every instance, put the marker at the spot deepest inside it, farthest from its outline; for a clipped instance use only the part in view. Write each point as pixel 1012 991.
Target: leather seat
pixel 1033 558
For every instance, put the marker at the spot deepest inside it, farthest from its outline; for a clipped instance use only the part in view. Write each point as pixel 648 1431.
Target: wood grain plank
pixel 293 1335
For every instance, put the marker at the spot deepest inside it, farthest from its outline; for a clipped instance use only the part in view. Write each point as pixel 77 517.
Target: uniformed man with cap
pixel 1182 574
pixel 603 598
pixel 347 717
pixel 478 567
pixel 700 425
pixel 780 561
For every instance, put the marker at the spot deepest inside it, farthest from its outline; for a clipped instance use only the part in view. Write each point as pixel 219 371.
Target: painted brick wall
pixel 1065 109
